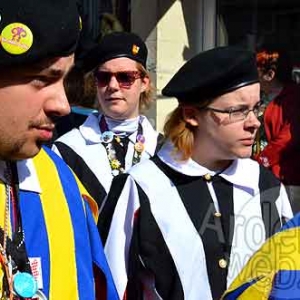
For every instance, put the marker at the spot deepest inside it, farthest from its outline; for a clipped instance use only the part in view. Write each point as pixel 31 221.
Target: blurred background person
pixel 82 96
pixel 278 141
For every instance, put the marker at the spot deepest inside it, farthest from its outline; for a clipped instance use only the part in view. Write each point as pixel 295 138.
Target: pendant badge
pixel 24 285
pixel 140 138
pixel 115 164
pixel 118 140
pixel 107 137
pixel 139 147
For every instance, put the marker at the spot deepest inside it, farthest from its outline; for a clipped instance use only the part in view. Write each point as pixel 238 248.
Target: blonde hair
pixel 180 132
pixel 146 97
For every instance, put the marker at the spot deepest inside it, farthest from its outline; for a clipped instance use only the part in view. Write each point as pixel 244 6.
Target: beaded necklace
pixel 112 141
pixel 18 282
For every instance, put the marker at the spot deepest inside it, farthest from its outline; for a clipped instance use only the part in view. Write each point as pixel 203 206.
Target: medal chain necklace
pixel 107 138
pixel 18 282
pixel 7 259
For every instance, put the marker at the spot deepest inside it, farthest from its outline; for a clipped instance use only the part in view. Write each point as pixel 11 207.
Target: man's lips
pixel 248 141
pixel 45 132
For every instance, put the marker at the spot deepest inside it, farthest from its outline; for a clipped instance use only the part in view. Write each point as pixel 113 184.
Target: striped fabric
pixel 60 229
pixel 83 151
pixel 153 240
pixel 273 272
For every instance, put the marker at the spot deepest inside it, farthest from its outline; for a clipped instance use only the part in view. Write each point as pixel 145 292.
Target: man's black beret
pixel 114 45
pixel 213 73
pixel 32 30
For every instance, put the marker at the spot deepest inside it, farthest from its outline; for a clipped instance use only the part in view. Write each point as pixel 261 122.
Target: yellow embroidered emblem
pixel 135 49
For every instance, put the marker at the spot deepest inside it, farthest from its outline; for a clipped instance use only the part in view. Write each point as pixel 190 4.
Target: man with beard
pixel 49 246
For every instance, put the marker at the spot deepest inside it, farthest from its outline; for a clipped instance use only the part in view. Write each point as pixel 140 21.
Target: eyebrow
pixel 53 72
pixel 245 105
pixel 45 68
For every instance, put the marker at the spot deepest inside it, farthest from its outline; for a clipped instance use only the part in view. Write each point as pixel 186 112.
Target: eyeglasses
pixel 240 113
pixel 124 78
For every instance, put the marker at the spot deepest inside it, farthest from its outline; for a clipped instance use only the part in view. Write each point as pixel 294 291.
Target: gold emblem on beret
pixel 135 49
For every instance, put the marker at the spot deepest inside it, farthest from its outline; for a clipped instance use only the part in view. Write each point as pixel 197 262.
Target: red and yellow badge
pixel 135 49
pixel 16 38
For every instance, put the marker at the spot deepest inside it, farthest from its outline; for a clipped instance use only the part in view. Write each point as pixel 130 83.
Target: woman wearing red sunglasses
pixel 111 141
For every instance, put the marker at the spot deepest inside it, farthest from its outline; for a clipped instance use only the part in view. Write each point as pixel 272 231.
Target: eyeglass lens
pixel 125 79
pixel 258 111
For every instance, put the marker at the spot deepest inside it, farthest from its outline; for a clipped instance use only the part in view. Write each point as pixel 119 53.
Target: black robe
pixel 171 232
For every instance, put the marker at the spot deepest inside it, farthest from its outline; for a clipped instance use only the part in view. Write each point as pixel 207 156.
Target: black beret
pixel 213 73
pixel 114 45
pixel 32 30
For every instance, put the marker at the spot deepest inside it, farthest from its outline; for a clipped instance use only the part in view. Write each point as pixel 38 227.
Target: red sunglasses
pixel 125 78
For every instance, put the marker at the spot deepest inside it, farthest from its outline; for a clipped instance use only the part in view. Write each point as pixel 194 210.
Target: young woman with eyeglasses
pixel 185 222
pixel 111 141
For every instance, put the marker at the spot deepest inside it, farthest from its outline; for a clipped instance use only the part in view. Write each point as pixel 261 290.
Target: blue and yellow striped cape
pixel 60 228
pixel 273 272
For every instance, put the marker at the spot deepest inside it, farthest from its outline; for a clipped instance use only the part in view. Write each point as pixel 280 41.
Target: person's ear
pixel 145 83
pixel 190 115
pixel 269 75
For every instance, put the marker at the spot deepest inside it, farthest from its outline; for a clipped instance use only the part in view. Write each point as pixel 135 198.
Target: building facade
pixel 176 30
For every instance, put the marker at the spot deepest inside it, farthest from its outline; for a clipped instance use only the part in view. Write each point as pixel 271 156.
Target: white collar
pixel 242 172
pixel 91 132
pixel 90 129
pixel 28 179
pixel 123 127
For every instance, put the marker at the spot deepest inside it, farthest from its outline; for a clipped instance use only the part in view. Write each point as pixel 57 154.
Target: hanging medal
pixel 18 282
pixel 140 138
pixel 139 147
pixel 24 285
pixel 107 138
